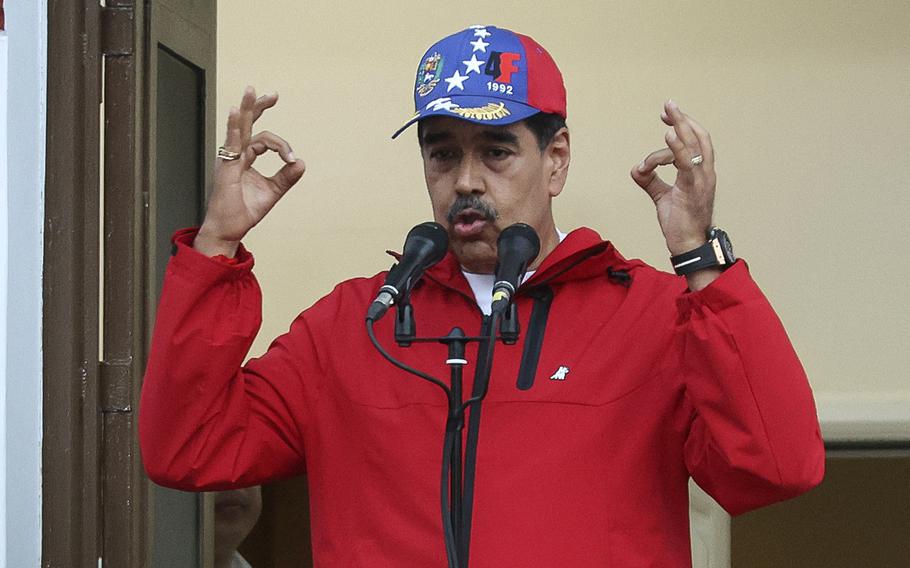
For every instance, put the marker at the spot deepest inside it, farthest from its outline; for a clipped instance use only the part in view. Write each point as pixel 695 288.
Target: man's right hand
pixel 242 196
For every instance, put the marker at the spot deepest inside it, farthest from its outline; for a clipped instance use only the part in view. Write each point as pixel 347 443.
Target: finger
pixel 265 141
pixel 264 103
pixel 662 157
pixel 232 139
pixel 247 103
pixel 645 175
pixel 704 143
pixel 682 127
pixel 285 178
pixel 705 147
pixel 682 155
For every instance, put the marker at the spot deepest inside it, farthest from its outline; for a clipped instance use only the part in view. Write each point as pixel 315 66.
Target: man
pixel 626 382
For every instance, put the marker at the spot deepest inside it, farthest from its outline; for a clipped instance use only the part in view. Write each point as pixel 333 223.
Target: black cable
pixel 447 525
pixel 485 362
pixel 402 366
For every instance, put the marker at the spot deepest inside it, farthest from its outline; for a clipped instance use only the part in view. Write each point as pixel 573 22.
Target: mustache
pixel 464 202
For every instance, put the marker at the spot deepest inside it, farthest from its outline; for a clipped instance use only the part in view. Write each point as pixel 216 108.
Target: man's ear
pixel 558 156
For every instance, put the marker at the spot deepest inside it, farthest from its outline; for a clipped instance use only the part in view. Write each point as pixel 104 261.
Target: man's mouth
pixel 469 215
pixel 469 223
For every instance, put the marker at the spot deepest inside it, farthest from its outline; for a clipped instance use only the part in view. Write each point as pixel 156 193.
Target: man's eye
pixel 498 153
pixel 441 155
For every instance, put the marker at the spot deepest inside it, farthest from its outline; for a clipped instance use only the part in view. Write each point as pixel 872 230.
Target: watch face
pixel 727 246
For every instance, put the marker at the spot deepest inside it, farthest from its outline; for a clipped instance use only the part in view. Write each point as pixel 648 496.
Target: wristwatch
pixel 718 251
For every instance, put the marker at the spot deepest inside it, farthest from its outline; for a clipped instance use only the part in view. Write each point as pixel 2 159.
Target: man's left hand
pixel 683 209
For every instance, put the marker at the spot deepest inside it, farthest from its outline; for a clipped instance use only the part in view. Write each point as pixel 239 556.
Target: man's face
pixel 481 179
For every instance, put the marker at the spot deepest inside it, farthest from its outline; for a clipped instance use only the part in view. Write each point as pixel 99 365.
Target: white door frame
pixel 23 83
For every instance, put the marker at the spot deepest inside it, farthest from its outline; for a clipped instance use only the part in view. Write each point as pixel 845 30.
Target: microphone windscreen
pixel 519 240
pixel 429 234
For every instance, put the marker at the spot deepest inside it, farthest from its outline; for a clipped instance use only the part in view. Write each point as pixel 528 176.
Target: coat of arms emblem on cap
pixel 429 74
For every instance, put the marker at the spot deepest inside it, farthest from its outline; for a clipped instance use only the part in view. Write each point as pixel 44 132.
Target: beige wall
pixel 808 104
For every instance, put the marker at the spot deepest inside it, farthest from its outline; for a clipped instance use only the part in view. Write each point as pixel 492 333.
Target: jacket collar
pixel 582 254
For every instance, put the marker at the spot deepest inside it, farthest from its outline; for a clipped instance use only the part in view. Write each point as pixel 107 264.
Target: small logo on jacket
pixel 560 374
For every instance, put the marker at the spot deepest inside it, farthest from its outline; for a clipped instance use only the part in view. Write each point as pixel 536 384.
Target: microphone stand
pixel 451 487
pixel 457 344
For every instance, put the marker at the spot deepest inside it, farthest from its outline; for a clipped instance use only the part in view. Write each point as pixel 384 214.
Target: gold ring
pixel 227 155
pixel 697 160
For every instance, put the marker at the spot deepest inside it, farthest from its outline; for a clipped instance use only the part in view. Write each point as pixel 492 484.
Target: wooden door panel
pixel 101 110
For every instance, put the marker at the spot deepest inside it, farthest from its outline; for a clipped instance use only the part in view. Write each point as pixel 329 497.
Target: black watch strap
pixel 718 251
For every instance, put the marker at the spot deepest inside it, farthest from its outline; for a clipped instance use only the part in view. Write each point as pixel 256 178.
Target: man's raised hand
pixel 684 209
pixel 242 196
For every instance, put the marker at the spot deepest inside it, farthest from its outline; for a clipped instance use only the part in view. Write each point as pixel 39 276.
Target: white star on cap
pixel 482 33
pixel 456 80
pixel 473 64
pixel 479 45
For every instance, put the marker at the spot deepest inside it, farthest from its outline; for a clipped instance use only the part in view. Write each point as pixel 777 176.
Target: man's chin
pixel 476 255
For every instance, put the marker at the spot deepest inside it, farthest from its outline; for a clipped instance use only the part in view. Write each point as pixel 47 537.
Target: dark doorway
pixel 181 47
pixel 859 516
pixel 179 195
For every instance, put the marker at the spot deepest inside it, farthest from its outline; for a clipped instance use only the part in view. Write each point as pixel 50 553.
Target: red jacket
pixel 584 467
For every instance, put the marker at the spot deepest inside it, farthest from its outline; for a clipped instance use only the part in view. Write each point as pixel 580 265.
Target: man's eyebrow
pixel 434 137
pixel 502 136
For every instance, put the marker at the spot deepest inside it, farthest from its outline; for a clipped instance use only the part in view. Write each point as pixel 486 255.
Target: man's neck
pixel 548 243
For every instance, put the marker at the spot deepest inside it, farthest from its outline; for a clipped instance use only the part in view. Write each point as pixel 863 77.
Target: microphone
pixel 517 246
pixel 425 245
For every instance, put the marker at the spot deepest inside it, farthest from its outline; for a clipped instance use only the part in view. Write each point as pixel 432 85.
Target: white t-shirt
pixel 238 561
pixel 482 284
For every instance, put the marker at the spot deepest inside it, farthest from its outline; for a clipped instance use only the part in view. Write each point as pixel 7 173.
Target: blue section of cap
pixel 472 73
pixel 480 44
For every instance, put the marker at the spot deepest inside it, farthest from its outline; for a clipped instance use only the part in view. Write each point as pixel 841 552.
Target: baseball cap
pixel 487 75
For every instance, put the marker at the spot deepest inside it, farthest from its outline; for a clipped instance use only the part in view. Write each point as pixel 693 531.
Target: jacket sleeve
pixel 206 422
pixel 754 437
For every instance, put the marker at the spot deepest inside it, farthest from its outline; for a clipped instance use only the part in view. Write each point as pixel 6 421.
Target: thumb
pixel 646 177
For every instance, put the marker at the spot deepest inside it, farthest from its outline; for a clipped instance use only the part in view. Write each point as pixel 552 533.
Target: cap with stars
pixel 487 75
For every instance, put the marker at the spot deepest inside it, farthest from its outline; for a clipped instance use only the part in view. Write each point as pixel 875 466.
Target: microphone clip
pixel 405 325
pixel 509 327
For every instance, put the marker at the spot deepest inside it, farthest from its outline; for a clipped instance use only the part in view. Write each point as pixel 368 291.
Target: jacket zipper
pixel 537 325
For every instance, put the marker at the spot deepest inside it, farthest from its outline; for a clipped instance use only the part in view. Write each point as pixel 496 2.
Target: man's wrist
pixel 684 246
pixel 716 252
pixel 700 279
pixel 212 245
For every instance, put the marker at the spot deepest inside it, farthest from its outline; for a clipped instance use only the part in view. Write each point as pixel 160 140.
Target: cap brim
pixel 479 110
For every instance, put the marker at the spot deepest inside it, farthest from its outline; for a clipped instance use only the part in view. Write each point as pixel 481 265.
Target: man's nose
pixel 468 180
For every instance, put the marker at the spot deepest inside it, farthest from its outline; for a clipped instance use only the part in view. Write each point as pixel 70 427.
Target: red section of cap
pixel 546 91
